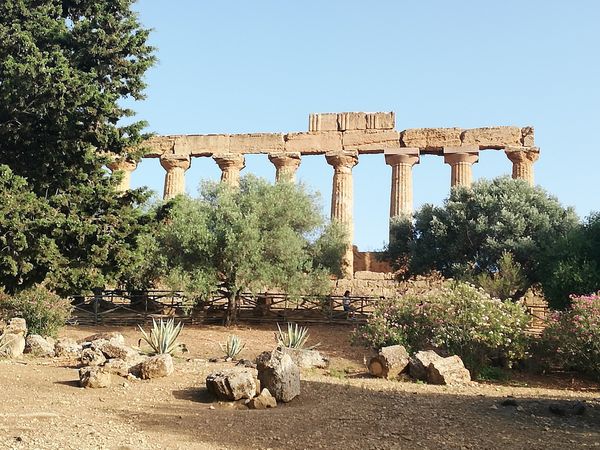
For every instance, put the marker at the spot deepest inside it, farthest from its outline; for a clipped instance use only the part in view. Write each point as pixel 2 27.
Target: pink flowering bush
pixel 457 319
pixel 572 337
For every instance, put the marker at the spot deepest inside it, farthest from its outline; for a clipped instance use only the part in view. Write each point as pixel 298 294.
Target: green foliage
pixel 491 373
pixel 457 319
pixel 233 346
pixel 572 266
pixel 572 337
pixel 508 282
pixel 163 336
pixel 294 337
pixel 475 226
pixel 65 68
pixel 45 312
pixel 248 239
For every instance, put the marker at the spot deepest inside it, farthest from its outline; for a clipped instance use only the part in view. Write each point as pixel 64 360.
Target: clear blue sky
pixel 250 66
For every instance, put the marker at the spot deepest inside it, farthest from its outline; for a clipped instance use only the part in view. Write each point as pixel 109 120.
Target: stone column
pixel 126 166
pixel 461 160
pixel 342 200
pixel 175 165
pixel 402 161
pixel 523 159
pixel 286 165
pixel 230 166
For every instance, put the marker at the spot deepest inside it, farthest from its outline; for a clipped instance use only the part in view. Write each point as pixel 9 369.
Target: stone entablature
pixel 342 138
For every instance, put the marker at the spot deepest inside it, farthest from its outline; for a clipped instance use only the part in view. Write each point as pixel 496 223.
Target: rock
pixel 157 366
pixel 38 346
pixel 67 348
pixel 510 401
pixel 16 325
pixel 390 362
pixel 232 384
pixel 419 363
pixel 263 401
pixel 246 363
pixel 92 357
pixel 307 359
pixel 558 409
pixel 12 345
pixel 449 370
pixel 578 408
pixel 93 377
pixel 115 349
pixel 107 336
pixel 116 366
pixel 279 374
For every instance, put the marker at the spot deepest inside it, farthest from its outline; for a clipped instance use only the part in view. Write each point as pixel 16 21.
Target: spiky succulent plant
pixel 233 346
pixel 295 337
pixel 163 336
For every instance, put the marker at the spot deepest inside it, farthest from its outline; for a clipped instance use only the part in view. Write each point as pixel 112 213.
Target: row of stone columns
pixel 460 159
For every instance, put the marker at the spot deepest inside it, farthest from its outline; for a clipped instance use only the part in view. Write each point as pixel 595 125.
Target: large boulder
pixel 94 377
pixel 105 335
pixel 123 367
pixel 16 325
pixel 263 401
pixel 419 363
pixel 157 366
pixel 115 349
pixel 279 374
pixel 12 345
pixel 449 370
pixel 38 346
pixel 232 384
pixel 307 359
pixel 67 348
pixel 390 362
pixel 92 357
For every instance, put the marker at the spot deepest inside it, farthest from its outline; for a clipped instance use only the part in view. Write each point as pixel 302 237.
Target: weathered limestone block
pixel 307 358
pixel 92 357
pixel 279 374
pixel 123 368
pixel 158 145
pixel 115 349
pixel 12 345
pixel 381 120
pixel 449 370
pixel 255 143
pixel 431 138
pixel 263 401
pixel 323 122
pixel 232 384
pixel 94 377
pixel 16 325
pixel 528 137
pixel 105 336
pixel 38 346
pixel 419 363
pixel 351 121
pixel 201 144
pixel 492 137
pixel 390 362
pixel 367 141
pixel 157 366
pixel 313 143
pixel 67 348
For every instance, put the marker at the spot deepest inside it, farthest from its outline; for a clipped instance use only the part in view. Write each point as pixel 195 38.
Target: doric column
pixel 461 160
pixel 342 200
pixel 175 165
pixel 230 166
pixel 523 159
pixel 286 165
pixel 401 198
pixel 126 166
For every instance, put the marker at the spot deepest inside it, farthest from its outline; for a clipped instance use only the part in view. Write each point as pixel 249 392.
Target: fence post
pixel 96 307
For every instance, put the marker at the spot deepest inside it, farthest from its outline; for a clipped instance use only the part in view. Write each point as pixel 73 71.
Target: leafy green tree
pixel 249 239
pixel 572 266
pixel 469 233
pixel 65 68
pixel 508 282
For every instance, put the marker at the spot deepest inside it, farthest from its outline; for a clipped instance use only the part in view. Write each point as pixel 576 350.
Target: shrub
pixel 45 312
pixel 572 337
pixel 457 319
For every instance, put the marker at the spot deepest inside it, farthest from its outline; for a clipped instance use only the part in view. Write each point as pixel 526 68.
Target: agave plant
pixel 295 337
pixel 233 346
pixel 163 335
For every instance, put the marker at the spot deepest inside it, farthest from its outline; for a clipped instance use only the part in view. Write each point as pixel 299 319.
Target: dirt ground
pixel 42 407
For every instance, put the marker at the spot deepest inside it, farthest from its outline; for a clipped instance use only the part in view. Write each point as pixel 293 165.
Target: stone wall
pixel 370 262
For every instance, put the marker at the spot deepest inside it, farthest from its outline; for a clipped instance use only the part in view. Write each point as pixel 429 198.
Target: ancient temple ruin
pixel 342 137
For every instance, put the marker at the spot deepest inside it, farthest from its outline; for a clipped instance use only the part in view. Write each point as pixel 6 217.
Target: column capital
pixel 126 165
pixel 230 161
pixel 170 162
pixel 522 154
pixel 393 159
pixel 456 158
pixel 279 160
pixel 342 161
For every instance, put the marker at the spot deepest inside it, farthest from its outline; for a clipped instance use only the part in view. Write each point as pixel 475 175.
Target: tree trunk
pixel 233 301
pixel 389 363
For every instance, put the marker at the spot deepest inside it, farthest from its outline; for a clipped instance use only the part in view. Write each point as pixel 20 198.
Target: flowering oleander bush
pixel 572 337
pixel 457 319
